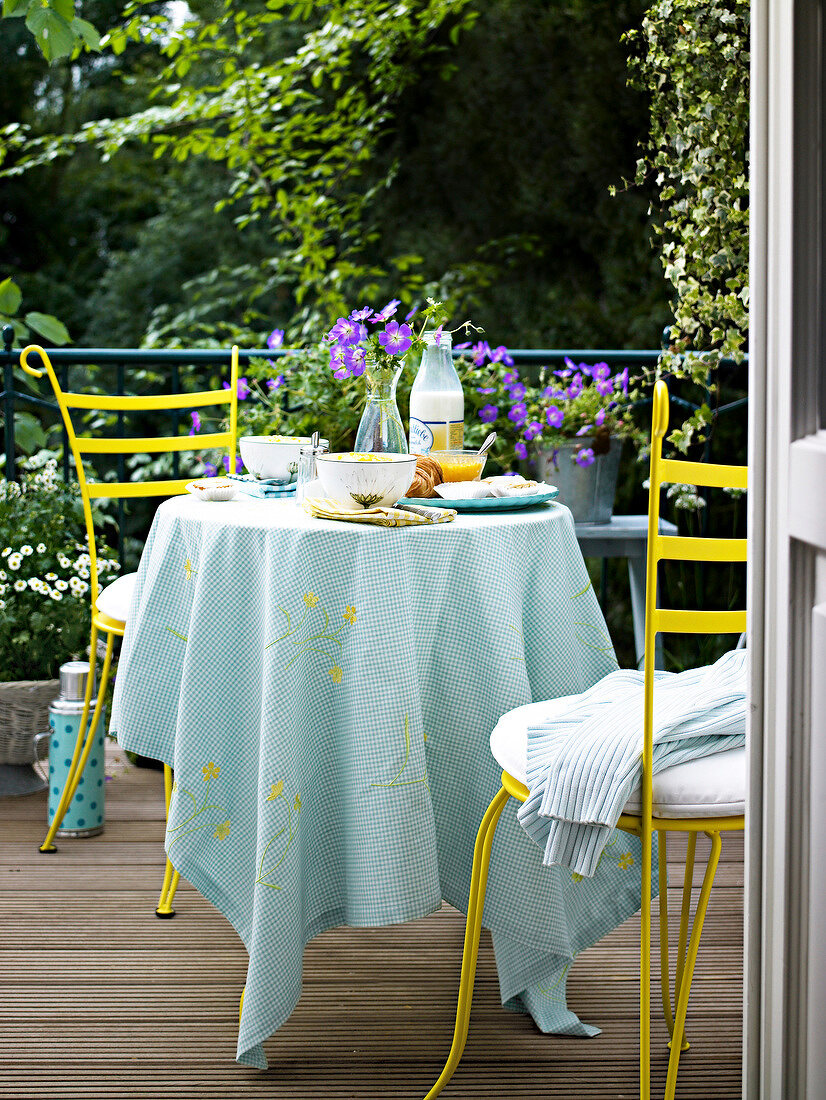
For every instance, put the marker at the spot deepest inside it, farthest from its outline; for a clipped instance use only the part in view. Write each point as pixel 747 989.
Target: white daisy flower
pixel 20 586
pixel 61 586
pixel 64 561
pixel 56 595
pixel 34 583
pixel 51 576
pixel 5 552
pixel 26 550
pixel 2 574
pixel 84 573
pixel 41 548
pixel 15 561
pixel 2 605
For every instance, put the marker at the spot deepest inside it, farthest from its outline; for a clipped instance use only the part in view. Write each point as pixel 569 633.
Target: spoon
pixel 314 440
pixel 486 446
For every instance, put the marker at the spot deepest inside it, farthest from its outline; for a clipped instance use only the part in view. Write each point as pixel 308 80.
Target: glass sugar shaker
pixel 307 467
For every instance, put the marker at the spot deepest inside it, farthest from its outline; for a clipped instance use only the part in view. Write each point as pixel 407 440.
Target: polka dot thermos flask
pixel 84 817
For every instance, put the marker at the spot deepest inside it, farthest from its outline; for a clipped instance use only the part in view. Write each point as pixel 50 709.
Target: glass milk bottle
pixel 437 404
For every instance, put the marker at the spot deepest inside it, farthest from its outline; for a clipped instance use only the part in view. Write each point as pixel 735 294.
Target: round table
pixel 325 692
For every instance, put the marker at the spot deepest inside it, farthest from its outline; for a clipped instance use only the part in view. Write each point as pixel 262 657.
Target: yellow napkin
pixel 324 508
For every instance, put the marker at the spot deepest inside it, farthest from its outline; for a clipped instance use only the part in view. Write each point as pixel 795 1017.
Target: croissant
pixel 428 474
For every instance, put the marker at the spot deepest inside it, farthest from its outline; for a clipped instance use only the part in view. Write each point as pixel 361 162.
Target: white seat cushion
pixel 713 786
pixel 115 598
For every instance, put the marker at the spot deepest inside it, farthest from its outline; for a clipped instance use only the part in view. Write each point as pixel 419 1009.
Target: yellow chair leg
pixel 171 876
pixel 645 970
pixel 84 742
pixel 473 930
pixel 684 917
pixel 688 971
pixel 665 977
pixel 241 1004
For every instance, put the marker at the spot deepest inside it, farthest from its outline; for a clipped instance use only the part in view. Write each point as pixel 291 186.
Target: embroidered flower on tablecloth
pixel 275 790
pixel 310 599
pixel 210 771
pixel 335 673
pixel 625 861
pixel 222 830
pixel 349 614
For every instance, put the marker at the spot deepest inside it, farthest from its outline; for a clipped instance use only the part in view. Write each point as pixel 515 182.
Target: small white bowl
pixel 213 488
pixel 273 457
pixel 355 480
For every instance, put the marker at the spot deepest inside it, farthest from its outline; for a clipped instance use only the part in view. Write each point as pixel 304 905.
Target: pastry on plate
pixel 428 475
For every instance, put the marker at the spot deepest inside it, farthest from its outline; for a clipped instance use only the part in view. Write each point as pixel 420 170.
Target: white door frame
pixel 785 987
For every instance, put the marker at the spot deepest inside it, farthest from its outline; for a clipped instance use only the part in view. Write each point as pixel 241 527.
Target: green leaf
pixel 89 34
pixel 28 433
pixel 10 297
pixel 54 34
pixel 66 8
pixel 49 326
pixel 15 8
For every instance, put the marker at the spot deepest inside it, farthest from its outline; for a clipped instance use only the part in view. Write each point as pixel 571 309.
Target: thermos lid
pixel 73 677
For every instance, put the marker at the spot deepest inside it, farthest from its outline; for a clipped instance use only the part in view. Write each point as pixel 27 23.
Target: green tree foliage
pixel 274 165
pixel 56 29
pixel 694 61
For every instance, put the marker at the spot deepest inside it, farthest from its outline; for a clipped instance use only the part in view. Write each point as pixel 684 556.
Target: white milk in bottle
pixel 437 404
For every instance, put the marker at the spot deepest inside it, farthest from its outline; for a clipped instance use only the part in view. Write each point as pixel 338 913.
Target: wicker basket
pixel 24 712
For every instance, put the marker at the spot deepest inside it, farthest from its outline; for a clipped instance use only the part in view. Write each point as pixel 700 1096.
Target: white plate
pixel 488 504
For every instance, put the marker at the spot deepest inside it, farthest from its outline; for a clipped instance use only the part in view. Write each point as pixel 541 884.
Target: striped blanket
pixel 583 764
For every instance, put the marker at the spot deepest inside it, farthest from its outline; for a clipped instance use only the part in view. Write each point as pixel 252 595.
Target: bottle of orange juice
pixel 437 404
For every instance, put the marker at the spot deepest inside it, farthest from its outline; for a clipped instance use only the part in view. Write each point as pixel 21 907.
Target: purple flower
pixel 459 347
pixel 486 389
pixel 361 314
pixel 275 338
pixel 243 388
pixel 488 413
pixel 337 364
pixel 437 335
pixel 480 352
pixel 564 373
pixel 355 360
pixel 599 418
pixel 396 339
pixel 600 372
pixel 411 314
pixel 554 416
pixel 210 470
pixel 516 391
pixel 511 378
pixel 500 355
pixel 622 380
pixel 521 450
pixel 553 393
pixel 239 465
pixel 386 313
pixel 532 431
pixel 276 383
pixel 585 457
pixel 604 387
pixel 518 414
pixel 585 429
pixel 196 423
pixel 346 331
pixel 575 388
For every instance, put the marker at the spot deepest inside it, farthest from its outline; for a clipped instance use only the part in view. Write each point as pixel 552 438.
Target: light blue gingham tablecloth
pixel 325 693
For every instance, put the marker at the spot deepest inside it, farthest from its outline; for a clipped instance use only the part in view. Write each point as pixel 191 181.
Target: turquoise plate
pixel 487 504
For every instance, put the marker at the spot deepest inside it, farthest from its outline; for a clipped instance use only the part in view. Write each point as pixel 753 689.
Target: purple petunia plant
pixel 580 402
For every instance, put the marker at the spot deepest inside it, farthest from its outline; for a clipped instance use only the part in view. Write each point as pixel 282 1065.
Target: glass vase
pixel 380 428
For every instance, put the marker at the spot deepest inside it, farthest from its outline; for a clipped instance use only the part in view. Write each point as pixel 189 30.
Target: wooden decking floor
pixel 100 999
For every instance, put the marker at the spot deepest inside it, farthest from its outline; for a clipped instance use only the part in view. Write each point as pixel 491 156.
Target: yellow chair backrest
pixel 82 445
pixel 680 548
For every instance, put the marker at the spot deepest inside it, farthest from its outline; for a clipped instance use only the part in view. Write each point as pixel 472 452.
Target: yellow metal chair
pixel 689 798
pixel 111 606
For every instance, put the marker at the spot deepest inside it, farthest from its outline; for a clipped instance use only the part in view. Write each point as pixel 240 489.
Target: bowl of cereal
pixel 273 457
pixel 356 480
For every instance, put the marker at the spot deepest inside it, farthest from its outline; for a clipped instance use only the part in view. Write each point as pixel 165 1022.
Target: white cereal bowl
pixel 274 457
pixel 358 480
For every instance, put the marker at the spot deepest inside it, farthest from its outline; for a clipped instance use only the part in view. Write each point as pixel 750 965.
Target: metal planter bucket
pixel 587 490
